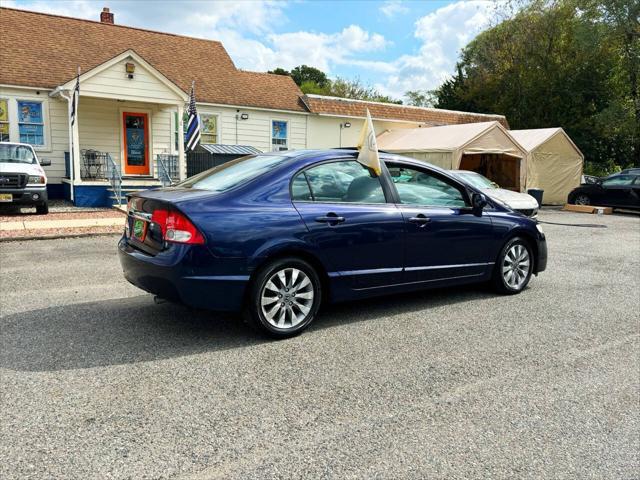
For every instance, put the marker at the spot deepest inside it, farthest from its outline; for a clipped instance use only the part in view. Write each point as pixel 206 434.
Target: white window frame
pixel 211 114
pixel 8 121
pixel 271 144
pixel 45 121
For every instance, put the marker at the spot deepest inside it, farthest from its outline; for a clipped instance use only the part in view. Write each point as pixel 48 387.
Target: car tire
pixel 283 298
pixel 581 199
pixel 42 209
pixel 513 269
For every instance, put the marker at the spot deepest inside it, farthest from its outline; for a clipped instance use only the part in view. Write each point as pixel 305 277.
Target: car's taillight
pixel 176 227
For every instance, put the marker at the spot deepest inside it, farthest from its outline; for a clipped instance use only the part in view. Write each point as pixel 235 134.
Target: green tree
pixel 568 63
pixel 421 98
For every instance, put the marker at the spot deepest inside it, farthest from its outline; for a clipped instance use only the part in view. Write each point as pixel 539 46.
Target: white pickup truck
pixel 22 179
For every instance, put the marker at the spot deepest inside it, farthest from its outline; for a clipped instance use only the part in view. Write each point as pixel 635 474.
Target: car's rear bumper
pixel 170 275
pixel 26 196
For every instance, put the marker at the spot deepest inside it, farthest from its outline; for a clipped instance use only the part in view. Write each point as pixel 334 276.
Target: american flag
pixel 75 98
pixel 192 137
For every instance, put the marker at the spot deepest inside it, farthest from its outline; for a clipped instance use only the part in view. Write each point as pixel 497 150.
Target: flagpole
pixel 73 115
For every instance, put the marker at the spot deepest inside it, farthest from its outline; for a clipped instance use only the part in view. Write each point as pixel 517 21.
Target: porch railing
pixel 168 172
pixel 115 178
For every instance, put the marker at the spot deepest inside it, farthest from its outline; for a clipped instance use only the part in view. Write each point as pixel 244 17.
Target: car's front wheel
pixel 582 199
pixel 514 267
pixel 284 298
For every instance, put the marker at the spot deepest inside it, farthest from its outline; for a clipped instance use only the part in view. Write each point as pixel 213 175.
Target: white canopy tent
pixel 554 163
pixel 485 147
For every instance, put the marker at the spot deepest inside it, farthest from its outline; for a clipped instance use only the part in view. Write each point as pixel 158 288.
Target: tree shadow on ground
pixel 134 329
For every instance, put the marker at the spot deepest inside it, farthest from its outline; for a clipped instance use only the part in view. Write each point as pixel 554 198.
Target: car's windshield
pixel 16 154
pixel 234 173
pixel 476 180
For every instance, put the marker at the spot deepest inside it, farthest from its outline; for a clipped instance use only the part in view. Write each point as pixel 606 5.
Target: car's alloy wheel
pixel 582 199
pixel 283 298
pixel 287 298
pixel 516 266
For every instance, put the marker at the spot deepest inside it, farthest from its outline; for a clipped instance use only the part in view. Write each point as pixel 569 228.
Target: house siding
pixel 113 82
pixel 100 126
pixel 324 132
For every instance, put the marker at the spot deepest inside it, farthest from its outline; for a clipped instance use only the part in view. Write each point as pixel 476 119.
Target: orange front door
pixel 136 143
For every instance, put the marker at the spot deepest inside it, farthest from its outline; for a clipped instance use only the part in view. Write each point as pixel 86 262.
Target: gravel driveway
pixel 98 382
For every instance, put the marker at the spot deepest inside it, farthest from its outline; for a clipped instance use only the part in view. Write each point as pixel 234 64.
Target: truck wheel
pixel 42 209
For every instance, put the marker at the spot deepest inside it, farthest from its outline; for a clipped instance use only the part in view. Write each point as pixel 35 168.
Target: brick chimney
pixel 106 16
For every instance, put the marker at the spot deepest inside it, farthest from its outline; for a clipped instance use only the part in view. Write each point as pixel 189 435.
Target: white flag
pixel 368 146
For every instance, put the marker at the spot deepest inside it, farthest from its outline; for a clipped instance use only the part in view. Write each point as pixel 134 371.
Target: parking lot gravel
pixel 97 381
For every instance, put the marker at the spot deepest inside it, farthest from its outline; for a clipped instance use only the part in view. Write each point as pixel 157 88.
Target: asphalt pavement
pixel 98 382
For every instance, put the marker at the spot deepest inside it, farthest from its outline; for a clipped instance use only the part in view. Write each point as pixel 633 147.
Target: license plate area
pixel 139 229
pixel 6 197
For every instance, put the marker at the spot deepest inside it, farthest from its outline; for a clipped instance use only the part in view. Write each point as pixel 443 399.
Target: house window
pixel 279 135
pixel 30 122
pixel 209 131
pixel 4 120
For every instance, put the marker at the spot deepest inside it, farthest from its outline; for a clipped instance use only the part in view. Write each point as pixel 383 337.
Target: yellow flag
pixel 368 146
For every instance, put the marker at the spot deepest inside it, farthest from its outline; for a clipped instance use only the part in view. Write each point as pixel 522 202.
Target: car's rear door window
pixel 420 187
pixel 335 182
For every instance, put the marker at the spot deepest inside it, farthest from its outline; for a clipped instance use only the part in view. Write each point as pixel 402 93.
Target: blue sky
pixel 392 45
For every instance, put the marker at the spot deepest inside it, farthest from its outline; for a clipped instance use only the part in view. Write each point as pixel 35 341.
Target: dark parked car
pixel 617 191
pixel 275 235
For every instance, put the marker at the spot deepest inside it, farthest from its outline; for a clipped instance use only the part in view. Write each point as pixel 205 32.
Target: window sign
pixel 4 120
pixel 136 141
pixel 209 131
pixel 30 122
pixel 279 135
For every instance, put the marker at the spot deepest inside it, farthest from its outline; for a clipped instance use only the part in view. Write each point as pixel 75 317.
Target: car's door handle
pixel 330 218
pixel 420 220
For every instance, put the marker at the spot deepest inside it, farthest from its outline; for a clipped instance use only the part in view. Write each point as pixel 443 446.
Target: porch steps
pixel 124 190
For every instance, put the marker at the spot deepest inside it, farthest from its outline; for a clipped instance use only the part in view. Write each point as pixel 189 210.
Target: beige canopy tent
pixel 484 147
pixel 553 163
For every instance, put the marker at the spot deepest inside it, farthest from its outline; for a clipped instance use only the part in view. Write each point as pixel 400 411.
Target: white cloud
pixel 443 34
pixel 391 8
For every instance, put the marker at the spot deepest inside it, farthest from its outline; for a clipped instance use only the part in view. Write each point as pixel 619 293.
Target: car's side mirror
pixel 45 162
pixel 478 202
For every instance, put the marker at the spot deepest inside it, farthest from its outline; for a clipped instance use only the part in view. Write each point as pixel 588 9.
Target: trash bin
pixel 537 194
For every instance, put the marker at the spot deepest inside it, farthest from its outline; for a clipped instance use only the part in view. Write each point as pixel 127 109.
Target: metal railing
pixel 168 172
pixel 115 178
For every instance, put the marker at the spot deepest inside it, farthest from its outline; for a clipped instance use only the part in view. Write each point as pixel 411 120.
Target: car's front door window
pixel 339 182
pixel 417 187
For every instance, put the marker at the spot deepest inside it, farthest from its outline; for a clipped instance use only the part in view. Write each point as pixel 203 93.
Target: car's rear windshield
pixel 233 174
pixel 16 154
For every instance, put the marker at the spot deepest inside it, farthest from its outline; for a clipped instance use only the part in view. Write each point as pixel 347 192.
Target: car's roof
pixel 319 155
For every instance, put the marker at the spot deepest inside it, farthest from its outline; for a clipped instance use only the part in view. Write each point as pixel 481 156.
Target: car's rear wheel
pixel 582 199
pixel 284 298
pixel 42 209
pixel 514 267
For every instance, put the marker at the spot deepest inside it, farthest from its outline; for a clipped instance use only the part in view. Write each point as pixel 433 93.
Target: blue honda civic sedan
pixel 276 235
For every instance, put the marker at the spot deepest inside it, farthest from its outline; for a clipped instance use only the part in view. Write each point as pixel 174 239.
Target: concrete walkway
pixel 57 224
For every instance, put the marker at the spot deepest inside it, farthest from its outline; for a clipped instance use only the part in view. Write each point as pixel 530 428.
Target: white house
pixel 134 86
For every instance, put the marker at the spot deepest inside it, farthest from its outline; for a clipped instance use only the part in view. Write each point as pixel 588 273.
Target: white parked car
pixel 22 179
pixel 520 202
